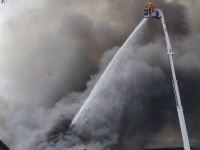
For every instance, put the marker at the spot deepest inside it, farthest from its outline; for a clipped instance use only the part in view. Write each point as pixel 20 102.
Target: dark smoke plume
pixel 53 53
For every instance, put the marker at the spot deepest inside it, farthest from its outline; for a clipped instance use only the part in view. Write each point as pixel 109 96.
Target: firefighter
pixel 151 7
pixel 148 5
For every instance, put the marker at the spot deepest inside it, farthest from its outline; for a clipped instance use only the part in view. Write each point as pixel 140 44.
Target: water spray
pixel 151 12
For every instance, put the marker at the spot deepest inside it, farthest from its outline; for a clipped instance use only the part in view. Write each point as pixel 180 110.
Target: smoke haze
pixel 53 53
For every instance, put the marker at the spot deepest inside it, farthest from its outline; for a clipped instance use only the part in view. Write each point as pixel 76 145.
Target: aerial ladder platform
pixel 151 12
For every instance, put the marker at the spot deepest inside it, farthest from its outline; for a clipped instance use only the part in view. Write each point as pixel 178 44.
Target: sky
pixel 52 53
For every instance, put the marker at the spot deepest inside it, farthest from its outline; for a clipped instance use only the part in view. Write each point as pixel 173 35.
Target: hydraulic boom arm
pixel 175 84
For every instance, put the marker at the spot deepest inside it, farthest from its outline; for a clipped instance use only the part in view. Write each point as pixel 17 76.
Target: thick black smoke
pixel 51 49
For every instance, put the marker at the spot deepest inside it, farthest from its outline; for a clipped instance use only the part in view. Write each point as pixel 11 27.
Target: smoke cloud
pixel 53 53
